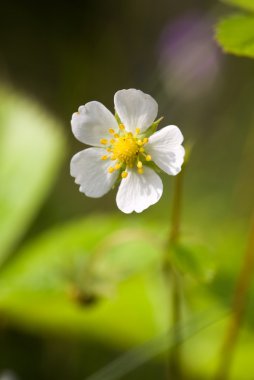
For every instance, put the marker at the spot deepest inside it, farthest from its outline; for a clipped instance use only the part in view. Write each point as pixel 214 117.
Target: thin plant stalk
pixel 240 299
pixel 172 279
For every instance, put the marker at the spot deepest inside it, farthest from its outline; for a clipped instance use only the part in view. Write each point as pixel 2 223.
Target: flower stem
pixel 172 279
pixel 176 211
pixel 239 303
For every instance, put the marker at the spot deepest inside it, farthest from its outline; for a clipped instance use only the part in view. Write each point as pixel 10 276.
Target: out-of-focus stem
pixel 171 277
pixel 176 210
pixel 239 303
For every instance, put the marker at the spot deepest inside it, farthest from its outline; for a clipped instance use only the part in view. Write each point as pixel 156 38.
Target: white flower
pixel 123 148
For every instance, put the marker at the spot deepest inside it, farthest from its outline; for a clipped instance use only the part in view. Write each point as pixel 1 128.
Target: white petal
pixel 139 191
pixel 91 172
pixel 92 122
pixel 166 150
pixel 135 109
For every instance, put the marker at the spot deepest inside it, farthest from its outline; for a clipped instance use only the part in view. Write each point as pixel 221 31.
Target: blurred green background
pixel 60 319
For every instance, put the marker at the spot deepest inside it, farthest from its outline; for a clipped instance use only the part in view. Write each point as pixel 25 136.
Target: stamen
pixel 127 150
pixel 111 131
pixel 104 158
pixel 118 166
pixel 103 141
pixel 124 174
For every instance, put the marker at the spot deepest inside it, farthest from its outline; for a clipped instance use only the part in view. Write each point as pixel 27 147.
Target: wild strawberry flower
pixel 125 150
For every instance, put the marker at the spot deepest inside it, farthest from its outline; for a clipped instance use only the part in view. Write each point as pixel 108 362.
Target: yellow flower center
pixel 126 149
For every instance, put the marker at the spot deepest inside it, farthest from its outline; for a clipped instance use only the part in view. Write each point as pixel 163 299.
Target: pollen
pixel 122 127
pixel 111 170
pixel 104 158
pixel 103 141
pixel 148 157
pixel 139 165
pixel 111 131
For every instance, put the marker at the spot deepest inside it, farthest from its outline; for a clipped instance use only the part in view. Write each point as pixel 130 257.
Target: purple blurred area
pixel 189 59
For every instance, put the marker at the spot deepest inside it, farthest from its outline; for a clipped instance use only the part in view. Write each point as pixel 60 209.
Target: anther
pixel 140 142
pixel 140 171
pixel 148 157
pixel 112 141
pixel 139 165
pixel 111 170
pixel 137 131
pixel 124 174
pixel 117 166
pixel 113 157
pixel 104 158
pixel 145 140
pixel 129 134
pixel 111 131
pixel 103 141
pixel 122 127
pixel 141 149
pixel 116 136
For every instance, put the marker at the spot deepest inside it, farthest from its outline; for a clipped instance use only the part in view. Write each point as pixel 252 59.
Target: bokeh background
pixel 54 58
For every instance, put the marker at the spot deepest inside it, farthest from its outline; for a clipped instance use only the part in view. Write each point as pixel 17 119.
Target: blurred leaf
pixel 30 150
pixel 245 4
pixel 35 287
pixel 140 355
pixel 236 35
pixel 194 260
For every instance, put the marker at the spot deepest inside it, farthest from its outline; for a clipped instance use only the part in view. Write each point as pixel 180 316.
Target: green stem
pixel 239 303
pixel 172 279
pixel 176 210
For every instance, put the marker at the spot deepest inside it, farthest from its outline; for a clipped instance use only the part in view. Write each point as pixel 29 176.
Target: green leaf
pixel 36 289
pixel 236 35
pixel 245 4
pixel 31 147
